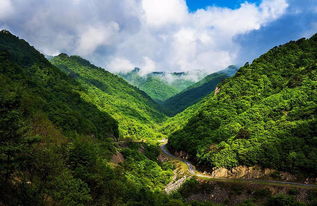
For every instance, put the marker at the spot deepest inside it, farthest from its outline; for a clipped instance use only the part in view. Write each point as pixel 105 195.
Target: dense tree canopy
pixel 136 113
pixel 55 146
pixel 197 91
pixel 158 85
pixel 60 126
pixel 265 115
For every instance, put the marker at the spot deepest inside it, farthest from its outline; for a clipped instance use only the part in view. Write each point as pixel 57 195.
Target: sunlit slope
pixel 265 115
pixel 197 91
pixel 136 113
pixel 45 96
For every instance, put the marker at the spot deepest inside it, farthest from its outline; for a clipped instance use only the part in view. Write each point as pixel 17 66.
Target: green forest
pixel 72 133
pixel 136 113
pixel 194 93
pixel 158 85
pixel 265 115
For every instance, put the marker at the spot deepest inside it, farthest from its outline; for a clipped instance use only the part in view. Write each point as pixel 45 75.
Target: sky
pixel 160 35
pixel 194 5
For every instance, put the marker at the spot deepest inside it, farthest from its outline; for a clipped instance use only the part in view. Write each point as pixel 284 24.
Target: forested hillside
pixel 136 113
pixel 197 91
pixel 265 115
pixel 60 126
pixel 41 111
pixel 36 91
pixel 56 148
pixel 158 85
pixel 158 89
pixel 180 120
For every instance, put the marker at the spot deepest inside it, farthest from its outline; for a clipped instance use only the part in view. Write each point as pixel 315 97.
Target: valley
pixel 75 134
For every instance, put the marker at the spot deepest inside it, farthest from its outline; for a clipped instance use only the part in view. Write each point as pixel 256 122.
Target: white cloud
pixel 163 12
pixel 95 36
pixel 150 34
pixel 272 9
pixel 6 9
pixel 147 66
pixel 120 65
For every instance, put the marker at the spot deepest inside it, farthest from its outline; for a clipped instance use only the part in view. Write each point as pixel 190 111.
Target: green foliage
pixel 142 169
pixel 157 85
pixel 42 87
pixel 264 115
pixel 191 186
pixel 135 112
pixel 197 91
pixel 157 89
pixel 57 130
pixel 283 200
pixel 68 190
pixel 180 120
pixel 54 145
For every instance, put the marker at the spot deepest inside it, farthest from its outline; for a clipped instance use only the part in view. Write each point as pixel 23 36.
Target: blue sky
pixel 193 5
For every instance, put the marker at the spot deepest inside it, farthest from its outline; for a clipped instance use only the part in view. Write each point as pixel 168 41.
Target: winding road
pixel 192 170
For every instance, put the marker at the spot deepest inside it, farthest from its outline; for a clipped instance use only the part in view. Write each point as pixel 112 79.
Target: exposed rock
pixel 162 158
pixel 175 185
pixel 117 158
pixel 217 90
pixel 250 173
pixel 182 155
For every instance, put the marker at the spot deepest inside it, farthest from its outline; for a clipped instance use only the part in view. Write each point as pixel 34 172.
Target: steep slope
pixel 265 115
pixel 135 112
pixel 180 120
pixel 196 92
pixel 158 89
pixel 152 84
pixel 133 77
pixel 158 85
pixel 41 111
pixel 40 90
pixel 177 80
pixel 56 148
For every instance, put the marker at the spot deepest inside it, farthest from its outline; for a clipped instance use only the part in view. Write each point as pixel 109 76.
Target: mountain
pixel 197 91
pixel 41 112
pixel 59 140
pixel 159 85
pixel 135 111
pixel 35 89
pixel 57 148
pixel 180 120
pixel 265 115
pixel 178 80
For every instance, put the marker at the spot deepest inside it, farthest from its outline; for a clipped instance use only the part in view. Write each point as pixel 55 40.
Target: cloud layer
pixel 156 35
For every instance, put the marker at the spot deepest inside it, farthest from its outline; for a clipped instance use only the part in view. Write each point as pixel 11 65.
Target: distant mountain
pixel 265 115
pixel 159 85
pixel 197 91
pixel 134 110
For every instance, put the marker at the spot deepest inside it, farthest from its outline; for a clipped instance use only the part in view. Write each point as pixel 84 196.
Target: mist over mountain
pixel 158 103
pixel 83 136
pixel 194 93
pixel 263 115
pixel 162 85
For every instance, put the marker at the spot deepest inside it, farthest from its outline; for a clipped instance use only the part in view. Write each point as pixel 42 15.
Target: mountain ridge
pixel 197 91
pixel 263 115
pixel 131 107
pixel 159 85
